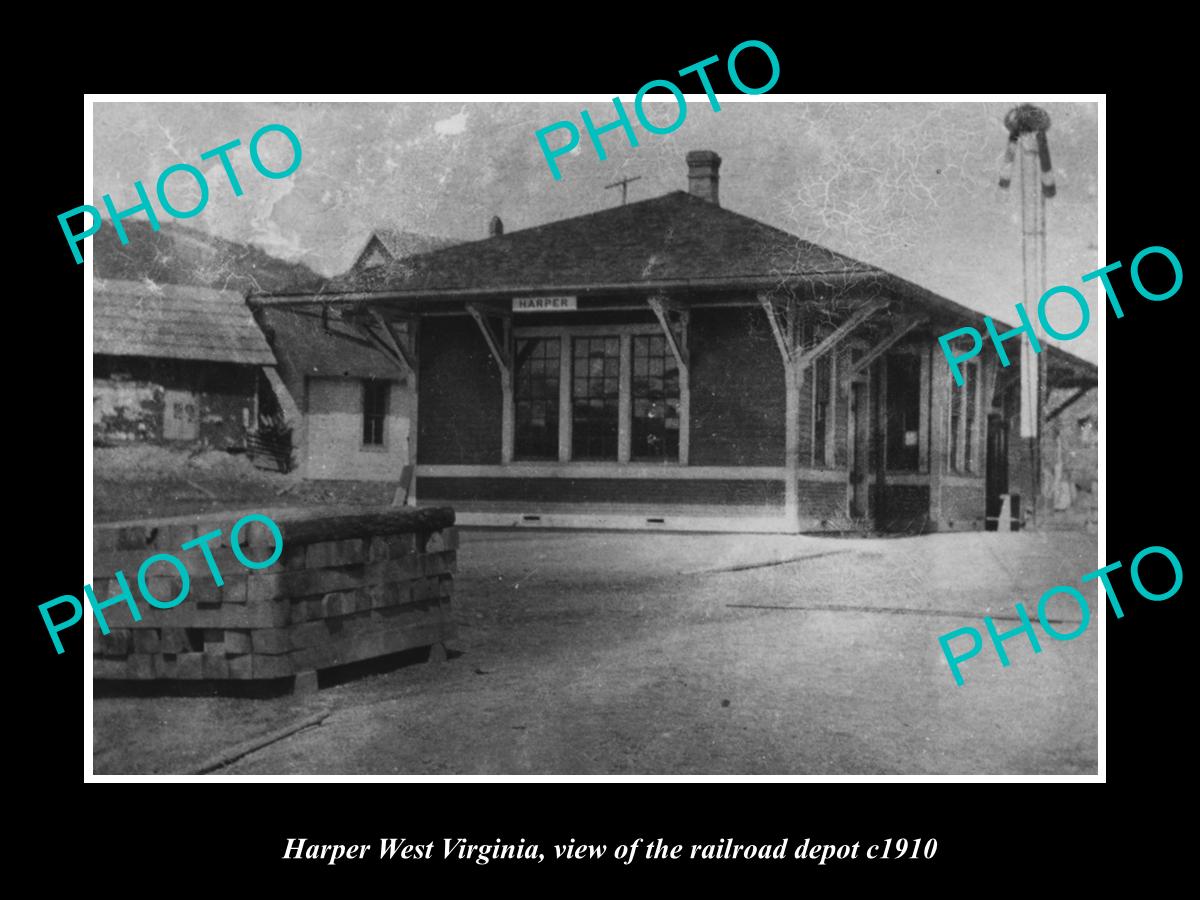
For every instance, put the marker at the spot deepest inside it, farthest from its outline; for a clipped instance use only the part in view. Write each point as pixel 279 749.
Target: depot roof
pixel 175 321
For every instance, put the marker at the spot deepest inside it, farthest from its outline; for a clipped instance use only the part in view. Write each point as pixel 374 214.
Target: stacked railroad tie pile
pixel 347 587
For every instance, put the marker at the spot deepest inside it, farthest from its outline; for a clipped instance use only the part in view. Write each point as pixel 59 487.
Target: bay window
pixel 595 393
pixel 535 394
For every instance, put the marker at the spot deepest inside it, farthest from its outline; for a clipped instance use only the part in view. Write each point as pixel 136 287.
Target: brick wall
pixel 346 588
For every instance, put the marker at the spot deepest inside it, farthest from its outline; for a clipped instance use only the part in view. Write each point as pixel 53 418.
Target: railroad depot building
pixel 672 364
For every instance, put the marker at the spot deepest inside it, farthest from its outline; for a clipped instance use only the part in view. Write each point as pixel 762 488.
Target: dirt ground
pixel 614 653
pixel 133 481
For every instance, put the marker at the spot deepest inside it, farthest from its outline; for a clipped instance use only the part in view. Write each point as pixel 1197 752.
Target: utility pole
pixel 1027 126
pixel 623 184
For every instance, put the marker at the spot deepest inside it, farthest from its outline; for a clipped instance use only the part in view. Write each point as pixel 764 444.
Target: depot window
pixel 374 412
pixel 903 412
pixel 823 411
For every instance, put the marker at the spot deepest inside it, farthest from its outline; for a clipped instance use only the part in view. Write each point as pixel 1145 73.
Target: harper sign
pixel 543 304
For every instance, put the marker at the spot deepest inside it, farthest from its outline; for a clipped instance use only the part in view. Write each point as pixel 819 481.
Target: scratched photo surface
pixel 654 468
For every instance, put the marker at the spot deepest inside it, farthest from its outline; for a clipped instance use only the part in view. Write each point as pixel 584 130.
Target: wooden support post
pixel 386 346
pixel 404 360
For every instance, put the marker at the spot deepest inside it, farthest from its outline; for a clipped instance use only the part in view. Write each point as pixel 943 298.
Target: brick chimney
pixel 703 166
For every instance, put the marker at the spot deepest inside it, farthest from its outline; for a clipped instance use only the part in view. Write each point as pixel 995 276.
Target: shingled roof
pixel 175 321
pixel 406 243
pixel 675 237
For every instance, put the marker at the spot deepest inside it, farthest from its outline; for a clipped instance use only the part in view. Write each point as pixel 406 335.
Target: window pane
pixel 595 398
pixel 535 390
pixel 655 417
pixel 903 411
